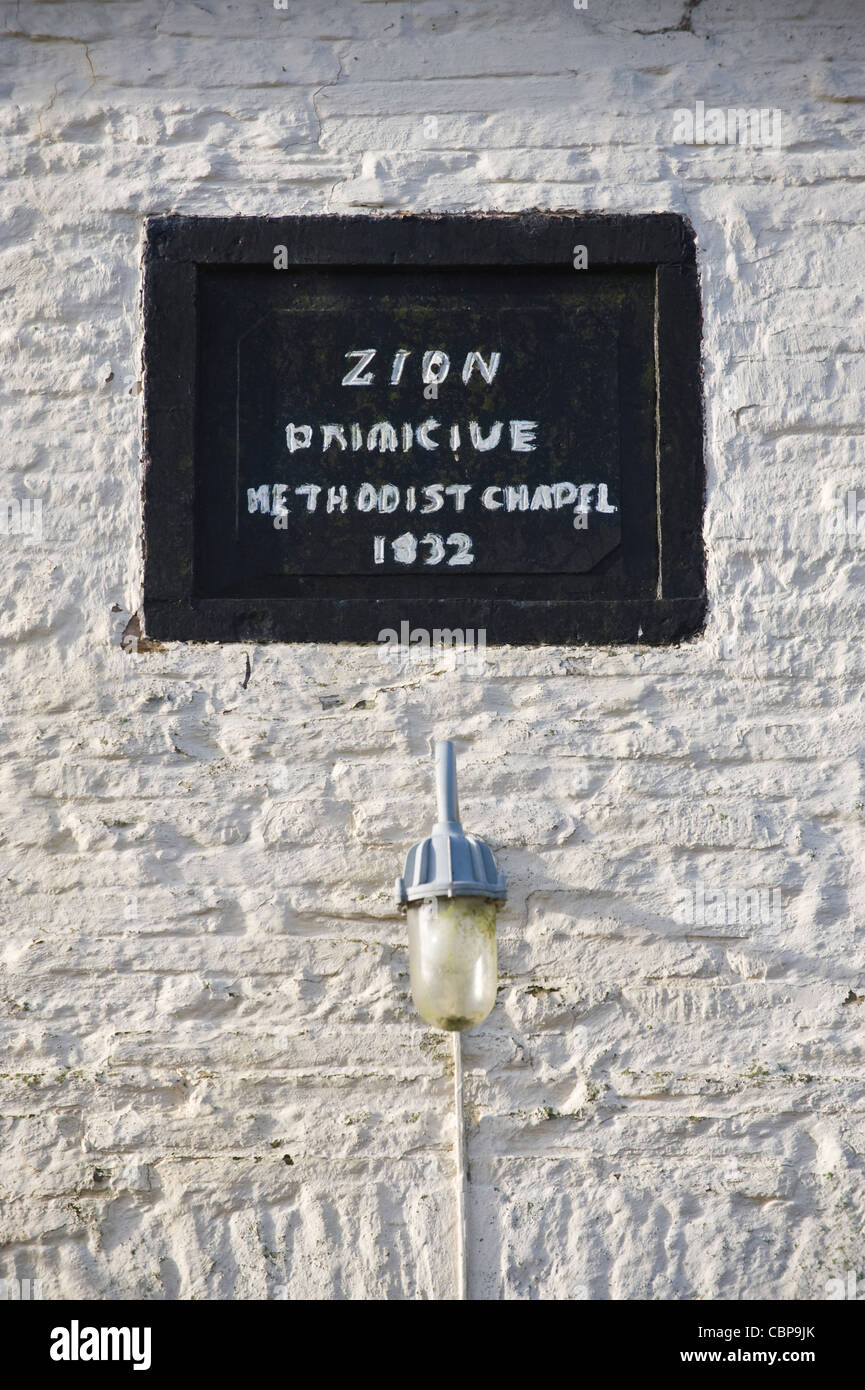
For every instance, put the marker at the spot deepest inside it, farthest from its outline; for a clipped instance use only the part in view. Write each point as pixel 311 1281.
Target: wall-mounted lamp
pixel 451 890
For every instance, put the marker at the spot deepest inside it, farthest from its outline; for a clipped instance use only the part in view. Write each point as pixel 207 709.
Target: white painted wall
pixel 203 976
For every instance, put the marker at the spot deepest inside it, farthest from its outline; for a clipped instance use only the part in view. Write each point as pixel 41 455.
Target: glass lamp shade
pixel 452 960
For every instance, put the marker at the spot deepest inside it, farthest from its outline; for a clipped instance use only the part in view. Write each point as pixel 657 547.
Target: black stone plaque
pixel 459 421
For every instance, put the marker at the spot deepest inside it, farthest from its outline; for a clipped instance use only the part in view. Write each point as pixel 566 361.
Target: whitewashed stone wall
pixel 214 1084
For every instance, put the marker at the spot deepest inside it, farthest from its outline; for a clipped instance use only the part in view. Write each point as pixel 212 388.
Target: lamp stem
pixel 459 1115
pixel 446 783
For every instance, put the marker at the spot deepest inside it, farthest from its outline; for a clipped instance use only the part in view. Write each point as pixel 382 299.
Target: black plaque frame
pixel 178 248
